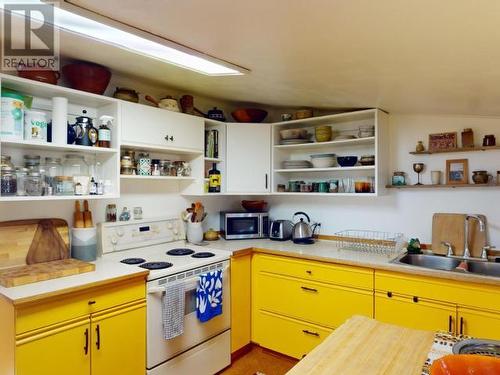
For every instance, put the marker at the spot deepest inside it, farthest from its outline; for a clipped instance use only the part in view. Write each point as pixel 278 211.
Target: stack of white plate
pixel 296 164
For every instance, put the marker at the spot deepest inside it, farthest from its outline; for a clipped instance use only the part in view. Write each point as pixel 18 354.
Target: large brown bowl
pixel 254 206
pixel 249 115
pixel 46 76
pixel 87 77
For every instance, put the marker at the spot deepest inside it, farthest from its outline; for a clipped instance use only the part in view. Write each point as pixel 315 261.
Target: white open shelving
pixel 160 178
pixel 94 105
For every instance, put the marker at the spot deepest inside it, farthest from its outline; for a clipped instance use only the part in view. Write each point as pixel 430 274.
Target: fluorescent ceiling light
pixel 75 23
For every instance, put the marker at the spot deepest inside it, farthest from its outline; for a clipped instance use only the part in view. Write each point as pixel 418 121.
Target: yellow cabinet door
pixel 240 301
pixel 61 350
pixel 479 324
pixel 414 312
pixel 119 341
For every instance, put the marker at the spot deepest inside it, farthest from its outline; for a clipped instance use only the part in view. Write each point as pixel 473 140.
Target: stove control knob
pixel 114 240
pixel 176 231
pixel 120 232
pixel 169 225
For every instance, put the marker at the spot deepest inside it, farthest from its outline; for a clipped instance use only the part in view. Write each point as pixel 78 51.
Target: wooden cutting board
pixel 33 241
pixel 450 228
pixel 43 271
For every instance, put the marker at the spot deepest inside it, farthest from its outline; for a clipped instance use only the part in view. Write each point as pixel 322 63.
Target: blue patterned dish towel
pixel 209 296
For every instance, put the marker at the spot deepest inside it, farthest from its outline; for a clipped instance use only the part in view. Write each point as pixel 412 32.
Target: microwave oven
pixel 243 225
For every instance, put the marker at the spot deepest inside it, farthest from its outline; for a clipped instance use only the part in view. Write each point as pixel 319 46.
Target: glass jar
pixel 52 168
pixel 165 167
pixel 144 164
pixel 64 185
pixel 6 161
pixel 8 181
pixel 75 165
pixel 21 174
pixel 398 179
pixel 155 167
pixel 186 169
pixel 33 184
pixel 32 162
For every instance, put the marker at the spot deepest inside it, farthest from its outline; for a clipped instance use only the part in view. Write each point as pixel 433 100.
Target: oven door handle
pixel 155 290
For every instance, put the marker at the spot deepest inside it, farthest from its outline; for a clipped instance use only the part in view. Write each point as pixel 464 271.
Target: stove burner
pixel 180 252
pixel 204 254
pixel 156 265
pixel 133 260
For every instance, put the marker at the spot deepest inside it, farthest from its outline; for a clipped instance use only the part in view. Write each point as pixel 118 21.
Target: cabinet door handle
pixel 389 294
pixel 306 289
pixel 307 332
pixel 92 302
pixel 98 337
pixel 450 324
pixel 266 180
pixel 309 272
pixel 172 138
pixel 86 347
pixel 415 299
pixel 461 325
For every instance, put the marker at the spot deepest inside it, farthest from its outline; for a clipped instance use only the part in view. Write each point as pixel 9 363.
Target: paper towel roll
pixel 59 120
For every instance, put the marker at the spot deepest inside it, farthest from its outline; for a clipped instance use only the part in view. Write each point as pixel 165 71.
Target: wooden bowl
pixel 87 77
pixel 254 206
pixel 47 76
pixel 249 115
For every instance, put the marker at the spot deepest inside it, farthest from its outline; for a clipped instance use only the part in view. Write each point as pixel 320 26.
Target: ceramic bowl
pixel 367 160
pixel 347 161
pixel 87 77
pixel 249 115
pixel 323 160
pixel 293 134
pixel 254 206
pixel 323 133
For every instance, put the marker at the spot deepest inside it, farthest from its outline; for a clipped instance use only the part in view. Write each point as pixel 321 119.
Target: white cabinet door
pixel 159 127
pixel 248 154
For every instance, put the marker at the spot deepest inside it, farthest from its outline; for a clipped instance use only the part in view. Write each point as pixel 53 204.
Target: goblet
pixel 418 168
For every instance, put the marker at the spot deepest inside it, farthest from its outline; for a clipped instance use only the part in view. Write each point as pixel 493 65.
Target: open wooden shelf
pixel 442 186
pixel 458 149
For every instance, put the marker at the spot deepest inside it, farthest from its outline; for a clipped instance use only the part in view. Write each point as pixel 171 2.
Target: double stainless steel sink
pixel 443 263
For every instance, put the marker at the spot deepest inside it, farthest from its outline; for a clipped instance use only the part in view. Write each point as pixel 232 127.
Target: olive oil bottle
pixel 214 179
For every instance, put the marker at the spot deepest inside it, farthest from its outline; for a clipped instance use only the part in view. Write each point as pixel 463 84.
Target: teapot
pixel 303 232
pixel 85 133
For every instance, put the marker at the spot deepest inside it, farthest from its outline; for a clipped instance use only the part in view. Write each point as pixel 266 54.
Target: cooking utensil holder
pixel 84 244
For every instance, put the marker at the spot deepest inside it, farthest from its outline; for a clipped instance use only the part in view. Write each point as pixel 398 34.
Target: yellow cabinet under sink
pixel 478 323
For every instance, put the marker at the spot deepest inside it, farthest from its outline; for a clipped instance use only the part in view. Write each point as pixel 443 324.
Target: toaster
pixel 280 230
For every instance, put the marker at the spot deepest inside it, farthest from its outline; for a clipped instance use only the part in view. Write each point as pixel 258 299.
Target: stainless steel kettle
pixel 303 232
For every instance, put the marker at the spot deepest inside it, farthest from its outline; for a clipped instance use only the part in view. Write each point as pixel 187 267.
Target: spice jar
pixel 21 174
pixel 33 184
pixel 8 181
pixel 144 164
pixel 64 185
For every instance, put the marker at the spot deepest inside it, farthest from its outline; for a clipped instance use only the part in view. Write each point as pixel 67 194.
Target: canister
pixel 35 126
pixel 12 116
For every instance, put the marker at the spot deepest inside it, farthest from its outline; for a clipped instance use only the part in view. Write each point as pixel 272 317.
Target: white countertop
pixel 105 271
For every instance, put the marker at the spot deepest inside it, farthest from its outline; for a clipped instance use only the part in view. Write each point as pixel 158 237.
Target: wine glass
pixel 418 168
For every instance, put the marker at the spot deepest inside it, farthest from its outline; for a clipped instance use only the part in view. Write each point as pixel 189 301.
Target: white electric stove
pixel 159 246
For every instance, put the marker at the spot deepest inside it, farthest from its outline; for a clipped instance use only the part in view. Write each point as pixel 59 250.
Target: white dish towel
pixel 173 310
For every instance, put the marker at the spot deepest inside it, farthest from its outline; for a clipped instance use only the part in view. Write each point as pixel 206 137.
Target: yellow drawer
pixel 463 293
pixel 287 336
pixel 356 277
pixel 324 304
pixel 58 309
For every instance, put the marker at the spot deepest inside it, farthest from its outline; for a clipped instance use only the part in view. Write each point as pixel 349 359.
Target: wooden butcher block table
pixel 364 346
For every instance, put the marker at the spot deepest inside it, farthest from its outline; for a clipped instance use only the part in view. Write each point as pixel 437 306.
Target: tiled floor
pixel 260 360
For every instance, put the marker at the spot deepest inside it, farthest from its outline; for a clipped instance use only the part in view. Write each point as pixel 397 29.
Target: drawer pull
pixel 309 272
pixel 98 335
pixel 306 289
pixel 389 294
pixel 450 323
pixel 86 347
pixel 307 332
pixel 91 302
pixel 415 299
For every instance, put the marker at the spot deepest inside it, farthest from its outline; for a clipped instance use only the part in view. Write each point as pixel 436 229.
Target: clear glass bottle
pixel 8 181
pixel 33 184
pixel 21 174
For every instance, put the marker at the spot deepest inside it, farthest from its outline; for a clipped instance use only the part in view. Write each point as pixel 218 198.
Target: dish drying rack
pixel 370 241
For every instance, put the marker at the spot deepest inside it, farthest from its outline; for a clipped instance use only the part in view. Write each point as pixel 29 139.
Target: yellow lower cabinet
pixel 61 350
pixel 415 312
pixel 324 304
pixel 119 341
pixel 287 336
pixel 240 301
pixel 478 324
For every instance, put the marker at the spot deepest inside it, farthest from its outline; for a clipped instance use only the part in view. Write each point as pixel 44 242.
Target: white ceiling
pixel 417 56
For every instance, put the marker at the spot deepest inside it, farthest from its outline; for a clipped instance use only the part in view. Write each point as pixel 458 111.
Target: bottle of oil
pixel 104 132
pixel 214 179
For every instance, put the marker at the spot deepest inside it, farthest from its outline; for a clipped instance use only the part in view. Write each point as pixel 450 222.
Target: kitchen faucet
pixel 482 228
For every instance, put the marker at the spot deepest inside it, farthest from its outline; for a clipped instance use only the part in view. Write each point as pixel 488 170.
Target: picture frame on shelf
pixel 442 141
pixel 457 172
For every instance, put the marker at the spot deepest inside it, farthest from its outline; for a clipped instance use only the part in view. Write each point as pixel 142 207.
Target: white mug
pixel 436 177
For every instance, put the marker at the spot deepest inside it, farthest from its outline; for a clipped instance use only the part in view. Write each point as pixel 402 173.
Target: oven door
pixel 160 350
pixel 242 225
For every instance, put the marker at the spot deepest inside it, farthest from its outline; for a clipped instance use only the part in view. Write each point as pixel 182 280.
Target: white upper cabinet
pixel 248 158
pixel 152 126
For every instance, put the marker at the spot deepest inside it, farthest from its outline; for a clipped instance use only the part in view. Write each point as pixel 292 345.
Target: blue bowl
pixel 347 161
